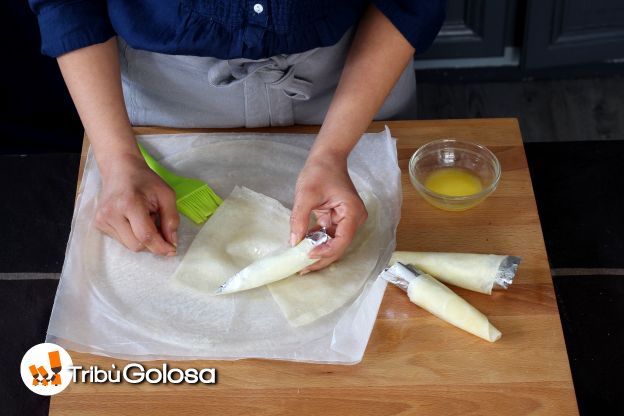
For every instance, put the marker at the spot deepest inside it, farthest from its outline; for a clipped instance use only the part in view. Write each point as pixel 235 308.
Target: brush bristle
pixel 200 204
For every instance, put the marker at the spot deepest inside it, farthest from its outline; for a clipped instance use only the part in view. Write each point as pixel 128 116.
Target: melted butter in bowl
pixel 453 182
pixel 454 175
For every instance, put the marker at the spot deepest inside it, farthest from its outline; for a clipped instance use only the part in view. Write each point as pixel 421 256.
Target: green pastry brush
pixel 194 198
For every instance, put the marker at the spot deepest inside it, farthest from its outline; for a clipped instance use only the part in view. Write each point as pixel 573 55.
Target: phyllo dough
pixel 246 227
pixel 477 272
pixel 249 226
pixel 433 296
pixel 275 267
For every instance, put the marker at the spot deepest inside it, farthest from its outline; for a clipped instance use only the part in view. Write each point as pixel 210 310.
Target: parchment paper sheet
pixel 114 302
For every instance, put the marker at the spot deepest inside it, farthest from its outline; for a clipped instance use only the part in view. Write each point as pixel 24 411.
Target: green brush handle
pixel 169 177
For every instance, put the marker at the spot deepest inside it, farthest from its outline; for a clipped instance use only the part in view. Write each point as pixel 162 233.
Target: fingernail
pixel 171 254
pixel 174 238
pixel 302 272
pixel 293 239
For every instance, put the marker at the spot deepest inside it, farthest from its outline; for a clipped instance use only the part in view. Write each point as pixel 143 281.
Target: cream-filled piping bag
pixel 433 296
pixel 477 272
pixel 275 267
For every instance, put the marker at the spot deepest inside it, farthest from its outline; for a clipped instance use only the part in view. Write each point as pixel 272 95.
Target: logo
pixel 46 369
pixel 135 373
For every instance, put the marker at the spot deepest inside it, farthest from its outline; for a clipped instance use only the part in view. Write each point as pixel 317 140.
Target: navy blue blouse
pixel 224 29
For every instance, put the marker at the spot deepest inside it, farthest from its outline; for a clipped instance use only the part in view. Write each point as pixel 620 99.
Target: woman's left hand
pixel 325 189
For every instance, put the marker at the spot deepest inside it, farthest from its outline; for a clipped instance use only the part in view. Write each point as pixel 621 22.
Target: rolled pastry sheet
pixel 477 272
pixel 433 296
pixel 275 267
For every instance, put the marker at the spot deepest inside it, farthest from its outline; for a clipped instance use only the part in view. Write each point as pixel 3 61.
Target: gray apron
pixel 191 91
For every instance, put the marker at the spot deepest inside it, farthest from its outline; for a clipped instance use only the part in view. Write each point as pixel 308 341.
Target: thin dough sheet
pixel 308 298
pixel 245 228
pixel 249 226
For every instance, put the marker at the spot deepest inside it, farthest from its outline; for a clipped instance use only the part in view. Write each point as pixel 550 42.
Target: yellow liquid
pixel 453 182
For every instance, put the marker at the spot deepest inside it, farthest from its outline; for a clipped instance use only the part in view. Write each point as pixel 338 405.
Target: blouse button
pixel 258 8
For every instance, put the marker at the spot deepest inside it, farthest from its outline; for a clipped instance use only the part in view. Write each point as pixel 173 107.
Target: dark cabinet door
pixel 563 32
pixel 473 28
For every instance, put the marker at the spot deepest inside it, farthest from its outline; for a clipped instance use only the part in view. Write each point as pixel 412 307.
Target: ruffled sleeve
pixel 66 25
pixel 418 20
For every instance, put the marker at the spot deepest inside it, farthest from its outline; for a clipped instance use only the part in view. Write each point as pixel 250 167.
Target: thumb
pixel 300 217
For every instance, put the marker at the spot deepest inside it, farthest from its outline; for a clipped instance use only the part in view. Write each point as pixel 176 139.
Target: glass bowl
pixel 451 153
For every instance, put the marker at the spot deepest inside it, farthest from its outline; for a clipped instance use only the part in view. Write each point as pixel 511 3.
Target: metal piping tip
pixel 318 237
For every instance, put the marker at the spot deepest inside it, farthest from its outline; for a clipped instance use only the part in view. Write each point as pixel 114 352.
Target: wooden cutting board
pixel 414 363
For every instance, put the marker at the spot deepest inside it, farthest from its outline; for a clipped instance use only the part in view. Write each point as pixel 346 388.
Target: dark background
pixel 556 65
pixel 37 115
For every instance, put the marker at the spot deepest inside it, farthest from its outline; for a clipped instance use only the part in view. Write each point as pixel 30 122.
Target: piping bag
pixel 277 266
pixel 433 296
pixel 477 272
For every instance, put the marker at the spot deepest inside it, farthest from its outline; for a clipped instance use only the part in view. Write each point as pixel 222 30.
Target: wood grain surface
pixel 414 363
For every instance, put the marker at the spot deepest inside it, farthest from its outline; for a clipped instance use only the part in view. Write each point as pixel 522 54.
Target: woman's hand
pixel 325 189
pixel 136 207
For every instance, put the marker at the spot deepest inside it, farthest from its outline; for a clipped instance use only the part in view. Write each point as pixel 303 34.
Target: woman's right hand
pixel 136 207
